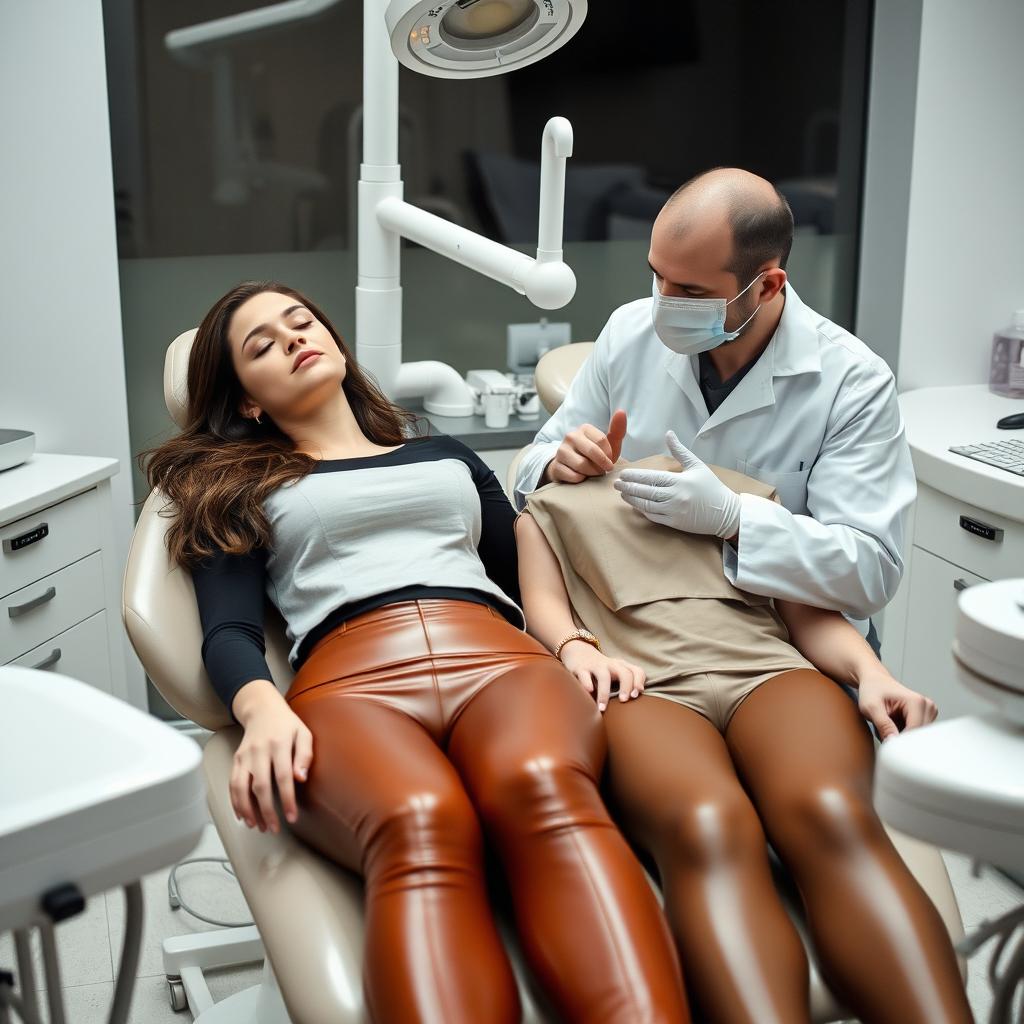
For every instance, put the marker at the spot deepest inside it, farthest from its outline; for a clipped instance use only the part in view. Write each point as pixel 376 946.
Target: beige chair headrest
pixel 176 377
pixel 556 369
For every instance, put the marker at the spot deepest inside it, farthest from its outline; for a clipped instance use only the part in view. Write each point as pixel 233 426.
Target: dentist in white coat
pixel 727 357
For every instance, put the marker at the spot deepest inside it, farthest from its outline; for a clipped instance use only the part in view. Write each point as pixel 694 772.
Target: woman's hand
pixel 595 672
pixel 892 707
pixel 276 747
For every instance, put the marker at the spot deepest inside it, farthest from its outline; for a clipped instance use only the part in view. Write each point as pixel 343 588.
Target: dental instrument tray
pixel 1008 454
pixel 16 447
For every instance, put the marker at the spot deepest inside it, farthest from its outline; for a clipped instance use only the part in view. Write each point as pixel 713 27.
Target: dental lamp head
pixel 479 38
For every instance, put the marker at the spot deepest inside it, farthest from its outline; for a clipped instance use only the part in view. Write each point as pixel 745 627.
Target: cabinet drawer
pixel 937 529
pixel 80 652
pixel 50 605
pixel 72 532
pixel 931 622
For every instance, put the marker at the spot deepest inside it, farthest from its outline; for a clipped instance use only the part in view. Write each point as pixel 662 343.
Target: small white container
pixel 496 408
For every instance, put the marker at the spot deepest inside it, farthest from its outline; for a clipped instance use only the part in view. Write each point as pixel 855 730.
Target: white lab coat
pixel 816 416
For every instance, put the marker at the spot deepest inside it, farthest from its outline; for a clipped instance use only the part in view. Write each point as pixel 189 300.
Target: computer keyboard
pixel 1008 454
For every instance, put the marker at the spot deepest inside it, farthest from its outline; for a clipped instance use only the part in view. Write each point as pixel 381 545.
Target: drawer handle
pixel 23 540
pixel 20 609
pixel 51 659
pixel 961 584
pixel 980 529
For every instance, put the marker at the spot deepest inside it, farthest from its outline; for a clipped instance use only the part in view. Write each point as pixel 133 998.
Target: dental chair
pixel 308 911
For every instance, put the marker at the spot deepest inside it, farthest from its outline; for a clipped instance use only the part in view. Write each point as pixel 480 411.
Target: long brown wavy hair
pixel 220 468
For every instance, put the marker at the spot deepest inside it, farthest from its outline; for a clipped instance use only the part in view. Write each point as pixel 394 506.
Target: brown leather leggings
pixel 796 763
pixel 430 719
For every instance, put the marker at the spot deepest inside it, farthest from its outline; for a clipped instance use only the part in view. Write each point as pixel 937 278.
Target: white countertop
pixel 937 418
pixel 46 479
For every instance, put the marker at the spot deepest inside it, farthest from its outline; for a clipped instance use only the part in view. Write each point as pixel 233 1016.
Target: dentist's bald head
pixel 725 220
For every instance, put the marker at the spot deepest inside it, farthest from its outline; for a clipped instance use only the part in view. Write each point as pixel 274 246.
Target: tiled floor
pixel 91 943
pixel 980 899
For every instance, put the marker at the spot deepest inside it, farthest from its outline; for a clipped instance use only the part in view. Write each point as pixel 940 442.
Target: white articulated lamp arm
pixel 546 281
pixel 556 148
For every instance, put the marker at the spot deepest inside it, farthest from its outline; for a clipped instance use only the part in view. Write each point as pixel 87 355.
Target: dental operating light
pixel 453 38
pixel 477 38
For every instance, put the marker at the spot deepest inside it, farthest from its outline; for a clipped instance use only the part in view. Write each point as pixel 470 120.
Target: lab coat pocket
pixel 792 486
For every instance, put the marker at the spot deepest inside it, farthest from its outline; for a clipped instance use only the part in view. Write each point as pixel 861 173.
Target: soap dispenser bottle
pixel 1006 369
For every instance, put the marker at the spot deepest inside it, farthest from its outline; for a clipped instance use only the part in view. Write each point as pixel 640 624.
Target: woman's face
pixel 285 359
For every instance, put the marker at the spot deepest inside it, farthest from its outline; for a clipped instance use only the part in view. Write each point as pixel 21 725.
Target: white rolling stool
pixel 960 784
pixel 95 794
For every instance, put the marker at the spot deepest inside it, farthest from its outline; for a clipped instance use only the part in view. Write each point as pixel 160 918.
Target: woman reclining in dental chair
pixel 420 710
pixel 738 734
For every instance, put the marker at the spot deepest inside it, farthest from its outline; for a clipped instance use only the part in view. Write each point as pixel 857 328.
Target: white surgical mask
pixel 689 326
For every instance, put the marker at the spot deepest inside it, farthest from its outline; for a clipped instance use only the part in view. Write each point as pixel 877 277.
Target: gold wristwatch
pixel 578 634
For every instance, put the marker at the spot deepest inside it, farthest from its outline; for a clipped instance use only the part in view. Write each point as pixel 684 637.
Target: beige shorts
pixel 715 695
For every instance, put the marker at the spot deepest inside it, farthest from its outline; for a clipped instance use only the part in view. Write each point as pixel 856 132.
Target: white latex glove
pixel 694 501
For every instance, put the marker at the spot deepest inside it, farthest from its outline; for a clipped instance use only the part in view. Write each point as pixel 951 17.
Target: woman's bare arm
pixel 837 650
pixel 829 642
pixel 545 599
pixel 549 619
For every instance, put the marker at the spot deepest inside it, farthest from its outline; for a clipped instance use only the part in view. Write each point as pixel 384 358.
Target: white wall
pixel 965 228
pixel 62 374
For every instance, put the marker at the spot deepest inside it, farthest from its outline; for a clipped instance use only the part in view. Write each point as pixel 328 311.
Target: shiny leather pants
pixel 434 722
pixel 794 767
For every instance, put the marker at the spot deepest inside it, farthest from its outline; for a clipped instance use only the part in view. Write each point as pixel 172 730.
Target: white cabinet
pixel 82 649
pixel 967 528
pixel 927 664
pixel 60 580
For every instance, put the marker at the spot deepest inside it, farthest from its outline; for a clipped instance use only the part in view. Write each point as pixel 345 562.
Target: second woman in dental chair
pixel 737 736
pixel 420 711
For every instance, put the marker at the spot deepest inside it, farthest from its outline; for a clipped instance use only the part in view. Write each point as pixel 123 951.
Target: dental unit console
pixel 16 447
pixel 959 782
pixel 989 645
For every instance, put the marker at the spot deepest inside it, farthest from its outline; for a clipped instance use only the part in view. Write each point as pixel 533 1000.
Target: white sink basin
pixel 92 791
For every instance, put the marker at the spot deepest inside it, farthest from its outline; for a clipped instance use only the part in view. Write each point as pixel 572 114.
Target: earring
pixel 259 422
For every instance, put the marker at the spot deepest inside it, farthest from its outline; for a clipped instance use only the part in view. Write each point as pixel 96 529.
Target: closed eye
pixel 270 344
